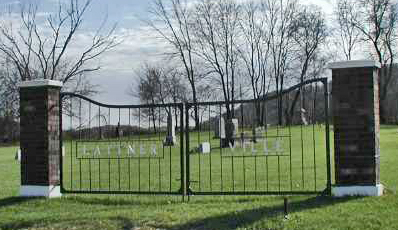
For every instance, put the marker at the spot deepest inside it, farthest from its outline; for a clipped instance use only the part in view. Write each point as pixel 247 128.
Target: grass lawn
pixel 213 212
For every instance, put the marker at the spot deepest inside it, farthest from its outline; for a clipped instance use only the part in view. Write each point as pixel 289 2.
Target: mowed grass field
pixel 203 212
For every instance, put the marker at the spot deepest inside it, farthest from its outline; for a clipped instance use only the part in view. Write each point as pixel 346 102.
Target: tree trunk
pixel 195 107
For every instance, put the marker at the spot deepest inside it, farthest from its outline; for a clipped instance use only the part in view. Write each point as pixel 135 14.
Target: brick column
pixel 356 125
pixel 39 140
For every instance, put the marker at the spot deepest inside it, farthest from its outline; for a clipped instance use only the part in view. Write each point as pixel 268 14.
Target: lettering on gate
pixel 153 149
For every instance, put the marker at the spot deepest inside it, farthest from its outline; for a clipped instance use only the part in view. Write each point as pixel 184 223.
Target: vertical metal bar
pixel 313 133
pixel 285 205
pixel 160 141
pixel 99 158
pixel 327 137
pixel 187 156
pixel 131 130
pixel 211 184
pixel 149 174
pixel 71 144
pixel 109 157
pixel 89 170
pixel 149 156
pixel 290 157
pixel 221 147
pixel 279 174
pixel 302 143
pixel 255 138
pixel 89 120
pixel 118 158
pixel 60 146
pixel 89 137
pixel 199 159
pixel 170 148
pixel 232 168
pixel 80 173
pixel 139 143
pixel 266 137
pixel 244 173
pixel 182 169
pixel 80 137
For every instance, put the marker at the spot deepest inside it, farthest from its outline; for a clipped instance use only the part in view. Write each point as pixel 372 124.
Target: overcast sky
pixel 117 73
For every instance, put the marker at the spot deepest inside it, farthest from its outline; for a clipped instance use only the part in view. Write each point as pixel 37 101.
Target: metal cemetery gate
pixel 120 149
pixel 278 144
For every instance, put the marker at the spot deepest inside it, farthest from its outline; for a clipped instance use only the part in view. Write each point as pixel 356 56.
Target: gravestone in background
pixel 171 134
pixel 219 128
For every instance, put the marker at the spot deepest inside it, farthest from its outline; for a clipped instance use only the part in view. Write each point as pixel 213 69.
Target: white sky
pixel 119 65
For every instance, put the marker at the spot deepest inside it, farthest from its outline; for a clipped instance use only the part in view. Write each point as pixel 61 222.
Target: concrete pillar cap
pixel 354 64
pixel 40 83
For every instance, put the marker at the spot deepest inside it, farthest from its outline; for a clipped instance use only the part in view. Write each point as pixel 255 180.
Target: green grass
pixel 213 212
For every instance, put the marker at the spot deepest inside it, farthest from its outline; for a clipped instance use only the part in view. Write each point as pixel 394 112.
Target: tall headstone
pixel 230 128
pixel 220 128
pixel 171 134
pixel 356 124
pixel 235 123
pixel 39 138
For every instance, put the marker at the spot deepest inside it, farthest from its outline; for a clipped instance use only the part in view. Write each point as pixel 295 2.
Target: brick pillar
pixel 39 140
pixel 356 127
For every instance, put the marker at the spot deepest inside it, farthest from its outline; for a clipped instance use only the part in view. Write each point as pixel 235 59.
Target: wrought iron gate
pixel 276 145
pixel 120 149
pixel 264 146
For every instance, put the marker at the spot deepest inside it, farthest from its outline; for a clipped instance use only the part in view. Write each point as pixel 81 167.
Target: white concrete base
pixel 340 191
pixel 50 191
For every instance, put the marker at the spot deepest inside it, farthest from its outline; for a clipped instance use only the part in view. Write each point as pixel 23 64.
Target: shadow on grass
pixel 234 220
pixel 123 222
pixel 9 201
pixel 231 220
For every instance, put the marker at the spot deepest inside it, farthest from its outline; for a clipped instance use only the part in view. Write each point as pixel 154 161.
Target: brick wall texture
pixel 39 121
pixel 356 126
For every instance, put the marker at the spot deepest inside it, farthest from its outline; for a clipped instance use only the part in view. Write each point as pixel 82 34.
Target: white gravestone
pixel 220 128
pixel 235 123
pixel 171 134
pixel 130 150
pixel 18 155
pixel 204 147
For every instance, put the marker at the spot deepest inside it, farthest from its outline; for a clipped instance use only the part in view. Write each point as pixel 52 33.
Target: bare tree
pixel 38 49
pixel 280 15
pixel 377 22
pixel 309 34
pixel 254 52
pixel 216 33
pixel 159 85
pixel 348 37
pixel 174 26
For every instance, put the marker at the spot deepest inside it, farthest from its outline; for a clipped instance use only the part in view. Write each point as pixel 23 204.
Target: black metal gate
pixel 120 149
pixel 275 145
